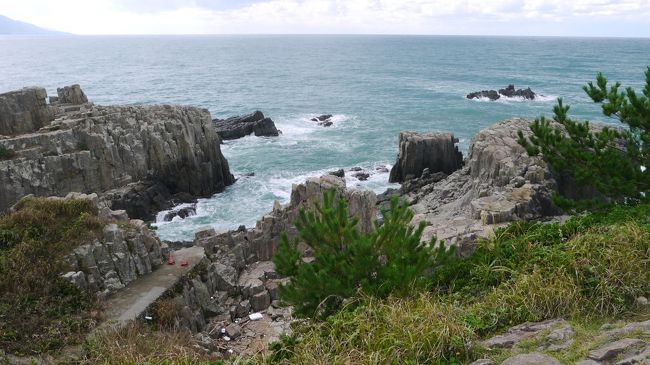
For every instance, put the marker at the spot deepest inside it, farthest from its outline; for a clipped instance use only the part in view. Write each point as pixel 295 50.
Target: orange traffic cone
pixel 184 262
pixel 170 260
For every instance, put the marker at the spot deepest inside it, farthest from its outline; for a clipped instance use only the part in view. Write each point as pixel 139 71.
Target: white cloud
pixel 578 17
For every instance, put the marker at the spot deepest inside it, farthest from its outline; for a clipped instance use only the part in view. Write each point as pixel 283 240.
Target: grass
pixel 138 343
pixel 588 270
pixel 39 311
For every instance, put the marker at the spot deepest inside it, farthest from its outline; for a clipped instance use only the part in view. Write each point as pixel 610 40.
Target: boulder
pixel 182 213
pixel 71 95
pixel 24 111
pixel 436 151
pixel 241 126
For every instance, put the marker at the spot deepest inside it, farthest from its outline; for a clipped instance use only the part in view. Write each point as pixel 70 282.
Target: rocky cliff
pixel 139 157
pixel 499 183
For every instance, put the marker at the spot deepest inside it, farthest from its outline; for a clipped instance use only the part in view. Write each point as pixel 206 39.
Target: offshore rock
pixel 509 92
pixel 436 152
pixel 24 111
pixel 136 156
pixel 241 126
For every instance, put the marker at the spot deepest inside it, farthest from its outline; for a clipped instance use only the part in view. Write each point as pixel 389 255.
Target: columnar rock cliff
pixel 499 183
pixel 436 152
pixel 161 149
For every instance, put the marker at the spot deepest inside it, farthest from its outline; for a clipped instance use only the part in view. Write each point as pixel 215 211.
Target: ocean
pixel 375 86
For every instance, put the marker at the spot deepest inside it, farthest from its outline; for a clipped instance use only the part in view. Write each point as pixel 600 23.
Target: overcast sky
pixel 627 18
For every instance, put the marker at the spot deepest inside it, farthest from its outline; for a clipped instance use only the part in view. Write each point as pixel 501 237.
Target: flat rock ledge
pixel 241 126
pixel 620 345
pixel 138 157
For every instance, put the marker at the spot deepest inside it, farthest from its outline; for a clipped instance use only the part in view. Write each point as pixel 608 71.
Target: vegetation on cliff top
pixel 39 311
pixel 590 268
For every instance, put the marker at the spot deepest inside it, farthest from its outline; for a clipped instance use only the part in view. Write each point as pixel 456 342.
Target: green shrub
pixel 391 259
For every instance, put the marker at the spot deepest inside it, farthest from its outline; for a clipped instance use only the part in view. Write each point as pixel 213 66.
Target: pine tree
pixel 612 161
pixel 391 259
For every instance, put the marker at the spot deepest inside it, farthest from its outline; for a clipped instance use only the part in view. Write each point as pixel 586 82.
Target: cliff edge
pixel 137 157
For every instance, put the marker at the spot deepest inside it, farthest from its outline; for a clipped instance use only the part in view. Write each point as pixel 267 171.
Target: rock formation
pixel 238 278
pixel 23 111
pixel 241 126
pixel 138 157
pixel 434 151
pixel 126 251
pixel 498 184
pixel 509 92
pixel 324 120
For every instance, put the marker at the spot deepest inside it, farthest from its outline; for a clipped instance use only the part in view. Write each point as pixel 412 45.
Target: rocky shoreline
pixel 134 161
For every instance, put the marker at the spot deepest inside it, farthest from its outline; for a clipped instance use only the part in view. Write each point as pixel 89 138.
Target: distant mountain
pixel 10 26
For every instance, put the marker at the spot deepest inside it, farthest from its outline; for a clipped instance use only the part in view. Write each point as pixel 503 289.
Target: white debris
pixel 148 318
pixel 226 338
pixel 255 316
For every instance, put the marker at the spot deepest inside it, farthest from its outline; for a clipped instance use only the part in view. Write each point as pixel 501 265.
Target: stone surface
pixel 613 349
pixel 498 183
pixel 71 95
pixel 436 151
pixel 24 111
pixel 534 358
pixel 100 149
pixel 241 126
pixel 524 331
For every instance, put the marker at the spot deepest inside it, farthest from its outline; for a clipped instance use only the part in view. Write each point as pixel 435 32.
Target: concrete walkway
pixel 131 302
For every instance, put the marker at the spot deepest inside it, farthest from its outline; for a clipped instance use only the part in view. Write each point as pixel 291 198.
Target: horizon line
pixel 67 34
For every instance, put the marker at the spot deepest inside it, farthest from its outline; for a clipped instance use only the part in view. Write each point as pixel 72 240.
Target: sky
pixel 612 18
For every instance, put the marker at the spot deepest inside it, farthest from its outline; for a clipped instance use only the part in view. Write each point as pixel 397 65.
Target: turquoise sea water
pixel 375 86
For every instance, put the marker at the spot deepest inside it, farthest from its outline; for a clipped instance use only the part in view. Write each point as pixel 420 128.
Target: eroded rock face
pixel 436 152
pixel 241 126
pixel 126 250
pixel 130 148
pixel 498 184
pixel 24 111
pixel 71 95
pixel 265 237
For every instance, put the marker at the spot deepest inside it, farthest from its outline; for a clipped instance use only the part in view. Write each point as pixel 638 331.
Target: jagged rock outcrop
pixel 71 95
pixel 125 251
pixel 509 92
pixel 24 111
pixel 498 184
pixel 137 156
pixel 436 152
pixel 241 126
